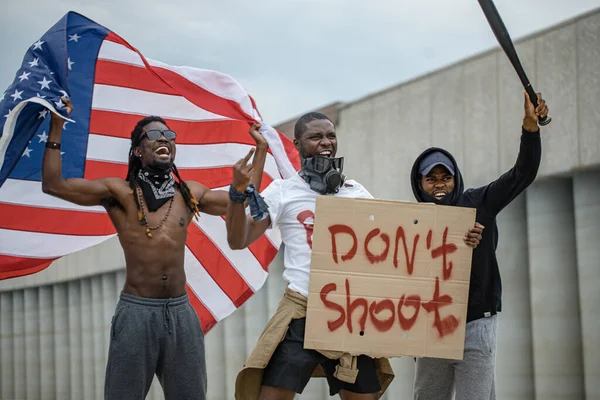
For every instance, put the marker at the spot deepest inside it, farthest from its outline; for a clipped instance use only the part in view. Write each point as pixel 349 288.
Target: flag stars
pixel 34 63
pixel 43 137
pixel 70 63
pixel 64 94
pixel 59 104
pixel 40 96
pixel 24 76
pixel 45 83
pixel 27 152
pixel 74 38
pixel 43 113
pixel 9 113
pixel 38 44
pixel 17 95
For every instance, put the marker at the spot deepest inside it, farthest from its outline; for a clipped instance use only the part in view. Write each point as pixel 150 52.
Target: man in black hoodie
pixel 436 178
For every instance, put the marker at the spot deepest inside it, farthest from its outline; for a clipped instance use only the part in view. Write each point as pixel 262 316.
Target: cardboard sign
pixel 389 278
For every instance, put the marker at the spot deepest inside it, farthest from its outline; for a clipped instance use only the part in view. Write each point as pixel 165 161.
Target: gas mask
pixel 323 174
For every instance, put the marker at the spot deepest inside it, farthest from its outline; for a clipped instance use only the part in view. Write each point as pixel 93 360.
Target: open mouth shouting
pixel 325 153
pixel 163 152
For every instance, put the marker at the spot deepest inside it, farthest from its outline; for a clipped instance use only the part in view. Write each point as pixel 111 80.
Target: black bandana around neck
pixel 158 187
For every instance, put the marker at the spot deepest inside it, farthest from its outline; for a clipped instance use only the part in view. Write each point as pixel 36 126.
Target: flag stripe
pixel 113 98
pixel 217 266
pixel 207 320
pixel 116 150
pixel 49 220
pixel 117 124
pixel 161 81
pixel 130 76
pixel 212 178
pixel 44 245
pixel 210 90
pixel 29 193
pixel 215 300
pixel 242 260
pixel 12 267
pixel 262 249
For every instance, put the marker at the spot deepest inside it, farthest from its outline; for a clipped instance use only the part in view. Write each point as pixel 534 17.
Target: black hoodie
pixel 485 289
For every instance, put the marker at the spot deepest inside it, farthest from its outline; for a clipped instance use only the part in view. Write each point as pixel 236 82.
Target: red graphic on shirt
pixel 302 218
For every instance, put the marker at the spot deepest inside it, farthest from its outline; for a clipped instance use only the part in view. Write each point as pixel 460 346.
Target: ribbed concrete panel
pixel 19 360
pixel 510 105
pixel 556 324
pixel 448 111
pixel 586 194
pixel 60 337
pixel 481 121
pixel 75 340
pixel 355 142
pixel 47 349
pixel 235 345
pixel 31 313
pixel 215 362
pixel 514 367
pixel 556 71
pixel 7 357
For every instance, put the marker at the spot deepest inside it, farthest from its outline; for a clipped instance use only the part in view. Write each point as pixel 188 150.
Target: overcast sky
pixel 292 55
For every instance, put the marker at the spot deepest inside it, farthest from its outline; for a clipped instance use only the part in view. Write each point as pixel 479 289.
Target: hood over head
pixel 433 157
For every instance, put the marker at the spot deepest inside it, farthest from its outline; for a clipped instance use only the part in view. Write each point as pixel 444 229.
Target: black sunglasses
pixel 155 134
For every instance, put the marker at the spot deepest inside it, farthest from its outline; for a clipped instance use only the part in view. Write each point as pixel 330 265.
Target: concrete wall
pixel 54 325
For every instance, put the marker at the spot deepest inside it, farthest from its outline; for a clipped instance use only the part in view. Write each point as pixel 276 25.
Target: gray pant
pixel 472 378
pixel 155 336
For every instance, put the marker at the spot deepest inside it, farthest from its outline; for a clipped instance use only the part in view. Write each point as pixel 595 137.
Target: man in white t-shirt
pixel 291 206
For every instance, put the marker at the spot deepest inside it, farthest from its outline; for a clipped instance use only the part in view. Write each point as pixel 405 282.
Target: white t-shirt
pixel 291 207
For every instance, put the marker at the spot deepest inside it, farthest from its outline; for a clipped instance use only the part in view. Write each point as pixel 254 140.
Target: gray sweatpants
pixel 472 378
pixel 155 336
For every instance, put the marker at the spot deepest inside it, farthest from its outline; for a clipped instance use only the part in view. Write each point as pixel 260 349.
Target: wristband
pixel 53 145
pixel 236 196
pixel 258 208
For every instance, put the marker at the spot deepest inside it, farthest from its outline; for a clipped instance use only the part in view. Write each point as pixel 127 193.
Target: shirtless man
pixel 155 329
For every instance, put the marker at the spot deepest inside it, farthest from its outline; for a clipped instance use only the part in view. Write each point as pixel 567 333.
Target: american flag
pixel 112 86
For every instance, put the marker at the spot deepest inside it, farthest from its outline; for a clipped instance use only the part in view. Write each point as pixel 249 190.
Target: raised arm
pixel 214 202
pixel 505 189
pixel 260 156
pixel 242 230
pixel 75 190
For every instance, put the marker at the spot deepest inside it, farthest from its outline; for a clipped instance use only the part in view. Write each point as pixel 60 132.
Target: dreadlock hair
pixel 135 165
pixel 300 126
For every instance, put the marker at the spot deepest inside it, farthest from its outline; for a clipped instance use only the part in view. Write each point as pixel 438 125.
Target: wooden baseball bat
pixel 501 33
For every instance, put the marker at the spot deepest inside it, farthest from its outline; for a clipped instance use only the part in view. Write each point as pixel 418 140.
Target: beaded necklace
pixel 142 213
